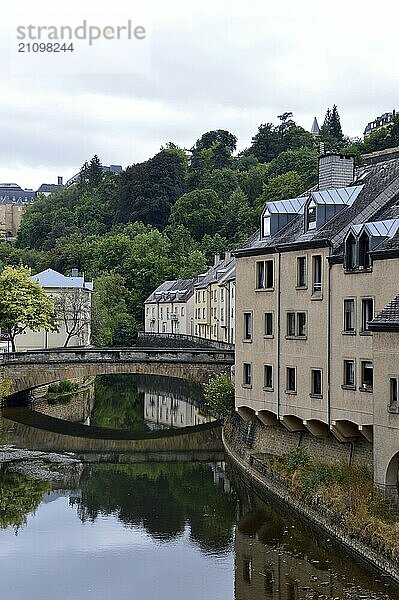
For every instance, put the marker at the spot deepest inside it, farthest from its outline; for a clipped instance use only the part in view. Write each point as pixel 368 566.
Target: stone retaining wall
pixel 320 516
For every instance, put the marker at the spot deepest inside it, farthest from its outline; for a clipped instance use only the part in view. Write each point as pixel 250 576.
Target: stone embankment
pixel 320 516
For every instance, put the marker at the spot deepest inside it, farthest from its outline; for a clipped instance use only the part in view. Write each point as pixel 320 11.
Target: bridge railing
pixel 177 340
pixel 115 355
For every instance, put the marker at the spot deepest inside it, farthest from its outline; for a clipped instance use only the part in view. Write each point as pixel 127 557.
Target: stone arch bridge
pixel 28 370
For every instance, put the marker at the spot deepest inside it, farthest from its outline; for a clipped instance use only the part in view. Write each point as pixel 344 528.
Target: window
pixel 269 323
pixel 164 326
pixel 349 373
pixel 148 311
pixel 222 314
pixel 311 216
pixel 161 313
pixel 247 374
pixel 296 324
pixel 349 315
pixel 367 313
pixel 301 324
pixel 203 313
pixel 301 272
pixel 367 375
pixel 291 324
pixel 291 379
pixel 268 377
pixel 317 275
pixel 393 393
pixel 316 385
pixel 248 326
pixel 264 275
pixel 350 252
pixel 364 251
pixel 266 224
pixel 222 295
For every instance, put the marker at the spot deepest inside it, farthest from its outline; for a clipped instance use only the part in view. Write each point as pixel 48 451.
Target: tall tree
pixel 73 310
pixel 23 304
pixel 266 143
pixel 199 211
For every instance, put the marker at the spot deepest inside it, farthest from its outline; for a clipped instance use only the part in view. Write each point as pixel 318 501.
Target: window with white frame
pixel 269 324
pixel 316 382
pixel 247 326
pixel 268 377
pixel 367 375
pixel 291 379
pixel 264 274
pixel 317 274
pixel 367 313
pixel 349 315
pixel 349 373
pixel 247 374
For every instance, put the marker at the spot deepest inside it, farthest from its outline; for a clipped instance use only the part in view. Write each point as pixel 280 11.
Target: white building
pixel 170 308
pixel 72 297
pixel 165 410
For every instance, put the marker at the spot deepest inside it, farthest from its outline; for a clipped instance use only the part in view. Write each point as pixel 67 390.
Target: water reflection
pixel 279 558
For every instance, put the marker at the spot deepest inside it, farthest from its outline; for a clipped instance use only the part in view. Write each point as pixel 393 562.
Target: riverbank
pixel 319 514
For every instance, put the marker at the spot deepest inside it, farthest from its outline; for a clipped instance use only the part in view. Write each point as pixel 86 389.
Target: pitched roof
pixel 215 273
pixel 377 198
pixel 315 127
pixel 176 290
pixel 50 187
pixel 388 318
pixel 52 279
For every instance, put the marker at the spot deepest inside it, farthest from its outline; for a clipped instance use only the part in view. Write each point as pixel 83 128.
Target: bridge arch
pixel 34 369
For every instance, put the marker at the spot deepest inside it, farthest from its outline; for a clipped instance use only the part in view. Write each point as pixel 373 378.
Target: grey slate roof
pixel 377 200
pixel 177 290
pixel 50 188
pixel 11 193
pixel 388 318
pixel 215 273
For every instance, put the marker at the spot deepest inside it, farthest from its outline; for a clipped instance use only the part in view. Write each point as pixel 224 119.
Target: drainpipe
pixel 278 334
pixel 329 342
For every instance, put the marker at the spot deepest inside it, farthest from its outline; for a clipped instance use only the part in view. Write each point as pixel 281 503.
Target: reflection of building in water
pixel 220 478
pixel 166 410
pixel 271 573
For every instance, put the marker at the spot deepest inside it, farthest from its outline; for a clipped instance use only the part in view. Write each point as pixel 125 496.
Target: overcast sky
pixel 205 64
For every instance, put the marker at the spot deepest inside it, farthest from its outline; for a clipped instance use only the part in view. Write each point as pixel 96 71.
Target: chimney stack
pixel 216 260
pixel 336 170
pixel 60 179
pixel 74 272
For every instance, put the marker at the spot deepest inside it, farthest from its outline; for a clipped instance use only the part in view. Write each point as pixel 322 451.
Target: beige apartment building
pixel 170 308
pixel 214 294
pixel 309 285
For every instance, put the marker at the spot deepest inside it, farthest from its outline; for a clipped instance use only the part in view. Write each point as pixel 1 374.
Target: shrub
pixel 296 458
pixel 63 387
pixel 219 394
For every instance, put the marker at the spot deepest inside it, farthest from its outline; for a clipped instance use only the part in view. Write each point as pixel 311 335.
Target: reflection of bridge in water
pixel 36 431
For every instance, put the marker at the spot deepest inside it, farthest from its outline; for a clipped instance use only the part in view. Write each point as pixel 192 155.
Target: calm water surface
pixel 147 531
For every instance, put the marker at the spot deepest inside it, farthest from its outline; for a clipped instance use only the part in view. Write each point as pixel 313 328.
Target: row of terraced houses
pixel 317 316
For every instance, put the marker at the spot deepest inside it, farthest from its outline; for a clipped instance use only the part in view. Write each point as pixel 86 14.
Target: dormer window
pixel 311 216
pixel 364 251
pixel 266 224
pixel 350 252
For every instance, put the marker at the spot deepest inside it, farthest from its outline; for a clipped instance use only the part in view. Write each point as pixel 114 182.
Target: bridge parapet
pixel 177 340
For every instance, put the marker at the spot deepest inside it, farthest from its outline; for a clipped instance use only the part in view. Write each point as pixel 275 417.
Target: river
pixel 188 530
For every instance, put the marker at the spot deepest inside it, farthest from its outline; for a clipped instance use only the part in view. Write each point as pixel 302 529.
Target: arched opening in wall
pixel 247 414
pixel 345 431
pixel 292 423
pixel 267 418
pixel 317 428
pixel 392 474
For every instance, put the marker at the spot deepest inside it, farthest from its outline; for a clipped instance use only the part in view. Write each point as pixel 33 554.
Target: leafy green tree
pixel 221 181
pixel 147 191
pixel 91 174
pixel 303 161
pixel 214 244
pixel 112 324
pixel 218 136
pixel 239 218
pixel 19 496
pixel 331 130
pixel 199 211
pixel 266 143
pixel 23 304
pixel 280 187
pixel 219 394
